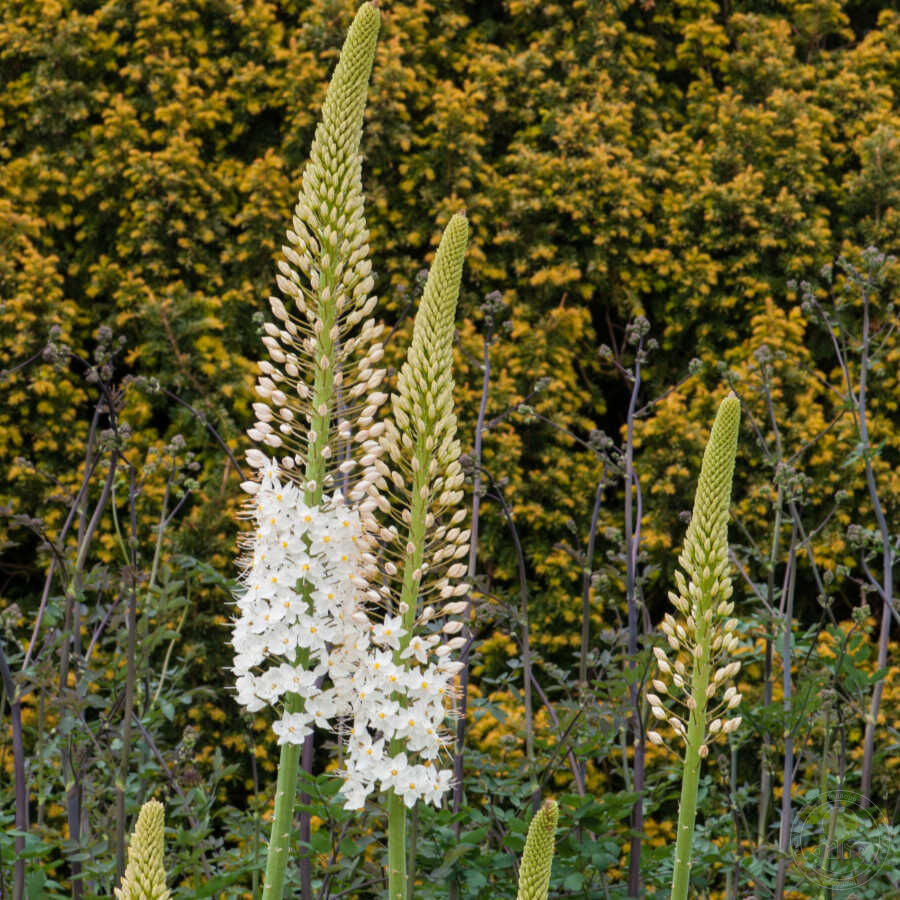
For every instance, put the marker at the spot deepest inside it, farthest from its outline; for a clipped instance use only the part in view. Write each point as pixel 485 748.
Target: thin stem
pixel 176 786
pixel 887 566
pixel 130 679
pixel 204 421
pixel 73 782
pixel 168 656
pixel 586 584
pixel 19 774
pixel 463 702
pixel 523 619
pixel 577 771
pixel 784 834
pixel 632 543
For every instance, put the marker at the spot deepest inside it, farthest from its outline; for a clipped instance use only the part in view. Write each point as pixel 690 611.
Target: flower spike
pixel 318 389
pixel 407 682
pixel 145 877
pixel 537 858
pixel 701 639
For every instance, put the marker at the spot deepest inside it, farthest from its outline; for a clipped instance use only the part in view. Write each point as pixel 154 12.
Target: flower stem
pixel 687 815
pixel 396 847
pixel 285 792
pixel 397 873
pixel 696 736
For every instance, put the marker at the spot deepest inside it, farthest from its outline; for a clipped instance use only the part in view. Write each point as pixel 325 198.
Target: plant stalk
pixel 687 808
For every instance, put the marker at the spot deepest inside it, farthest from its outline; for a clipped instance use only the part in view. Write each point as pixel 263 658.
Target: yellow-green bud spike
pixel 425 385
pixel 705 562
pixel 706 542
pixel 424 400
pixel 325 281
pixel 145 877
pixel 534 873
pixel 345 102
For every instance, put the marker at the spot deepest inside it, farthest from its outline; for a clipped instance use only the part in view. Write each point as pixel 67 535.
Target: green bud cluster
pixel 419 478
pixel 702 638
pixel 537 858
pixel 145 877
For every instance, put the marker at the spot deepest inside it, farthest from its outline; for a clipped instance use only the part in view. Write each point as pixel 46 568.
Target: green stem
pixel 285 794
pixel 687 816
pixel 396 847
pixel 397 870
pixel 696 735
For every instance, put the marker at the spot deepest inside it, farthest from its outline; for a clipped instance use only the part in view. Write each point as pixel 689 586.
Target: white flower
pixel 320 709
pixel 292 728
pixel 389 632
pixel 355 790
pixel 393 771
pixel 411 785
pixel 437 784
pixel 416 647
pixel 368 753
pixel 385 714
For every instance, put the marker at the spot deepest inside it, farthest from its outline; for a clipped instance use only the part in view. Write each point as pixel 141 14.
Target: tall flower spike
pixel 319 387
pixel 318 397
pixel 145 877
pixel 537 858
pixel 423 481
pixel 701 638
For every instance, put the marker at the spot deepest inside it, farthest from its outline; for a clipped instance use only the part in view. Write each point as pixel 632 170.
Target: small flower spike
pixel 145 877
pixel 701 640
pixel 537 858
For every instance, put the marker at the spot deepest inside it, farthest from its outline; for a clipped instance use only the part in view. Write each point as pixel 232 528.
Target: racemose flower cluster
pixel 304 628
pixel 300 597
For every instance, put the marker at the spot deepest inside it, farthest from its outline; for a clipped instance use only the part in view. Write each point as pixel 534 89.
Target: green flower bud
pixel 534 874
pixel 145 877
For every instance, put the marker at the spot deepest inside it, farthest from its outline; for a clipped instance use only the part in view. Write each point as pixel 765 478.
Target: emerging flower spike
pixel 404 690
pixel 702 638
pixel 537 858
pixel 145 877
pixel 319 387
